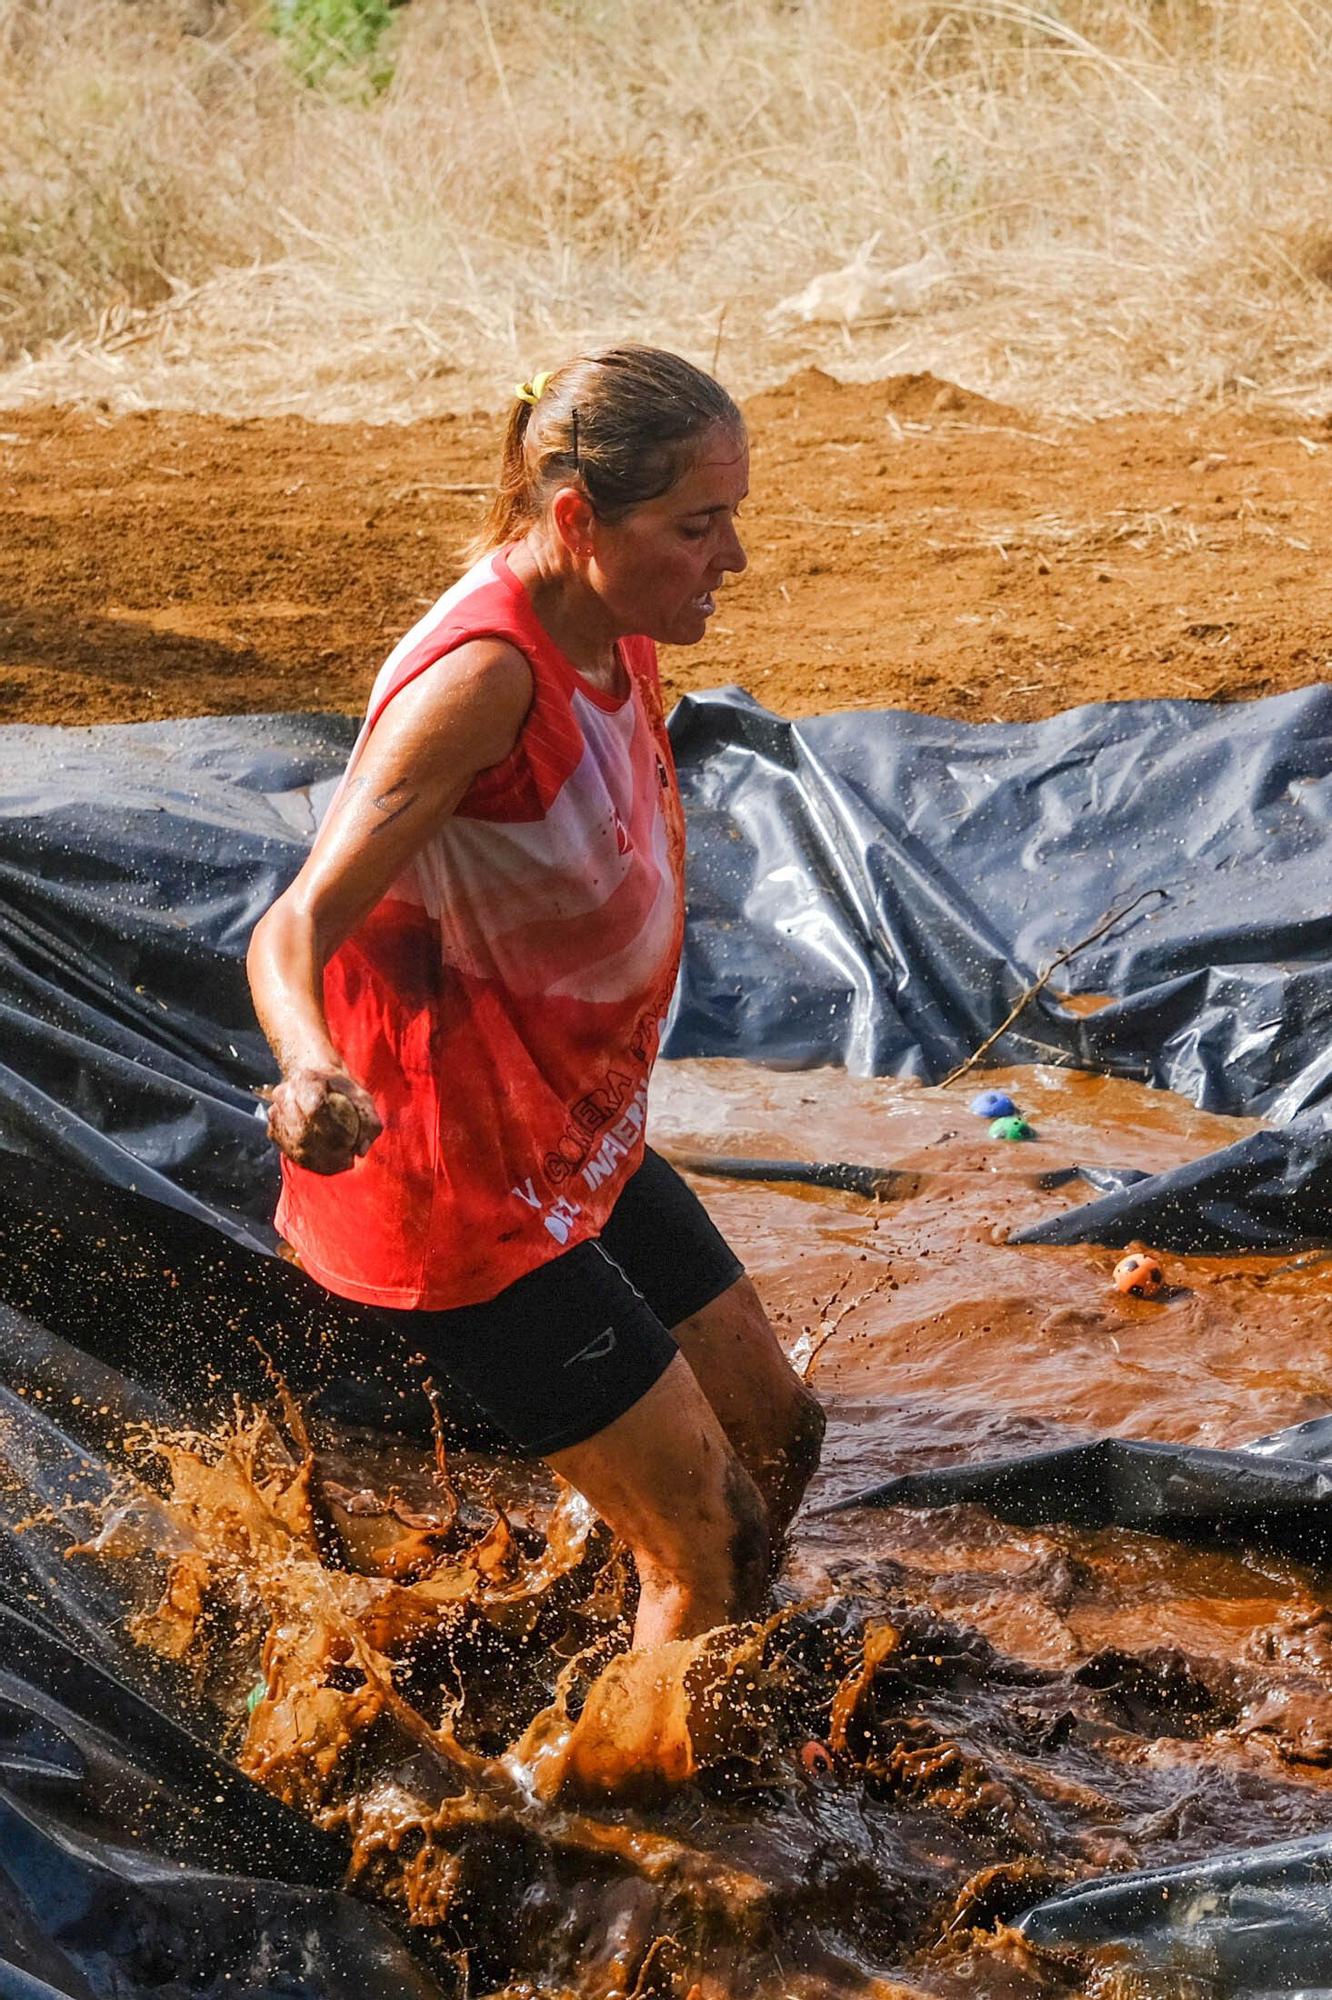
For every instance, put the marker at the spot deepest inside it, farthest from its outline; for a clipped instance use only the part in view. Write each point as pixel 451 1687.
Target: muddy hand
pixel 322 1119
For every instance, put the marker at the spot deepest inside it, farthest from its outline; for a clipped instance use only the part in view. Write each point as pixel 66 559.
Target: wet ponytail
pixel 621 425
pixel 507 514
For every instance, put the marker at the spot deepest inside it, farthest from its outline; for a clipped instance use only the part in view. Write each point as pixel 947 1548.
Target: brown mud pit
pixel 911 545
pixel 944 1717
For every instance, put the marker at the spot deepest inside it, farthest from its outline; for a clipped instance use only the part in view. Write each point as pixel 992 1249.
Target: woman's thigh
pixel 573 1366
pixel 667 1245
pixel 565 1352
pixel 556 1357
pixel 669 1248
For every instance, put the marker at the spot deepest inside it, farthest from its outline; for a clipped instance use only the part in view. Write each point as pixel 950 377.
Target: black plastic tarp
pixel 1277 1491
pixel 876 1183
pixel 1249 1925
pixel 1271 1191
pixel 128 1856
pixel 873 890
pixel 135 1862
pixel 877 890
pixel 134 862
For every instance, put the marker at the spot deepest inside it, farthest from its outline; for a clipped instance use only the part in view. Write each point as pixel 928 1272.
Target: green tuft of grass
pixel 336 43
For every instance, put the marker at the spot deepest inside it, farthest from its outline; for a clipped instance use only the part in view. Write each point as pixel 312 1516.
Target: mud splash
pixel 943 1718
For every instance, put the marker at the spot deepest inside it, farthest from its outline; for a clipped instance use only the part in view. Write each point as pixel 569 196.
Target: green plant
pixel 336 42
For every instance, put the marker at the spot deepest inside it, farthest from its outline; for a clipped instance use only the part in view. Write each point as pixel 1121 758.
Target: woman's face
pixel 658 569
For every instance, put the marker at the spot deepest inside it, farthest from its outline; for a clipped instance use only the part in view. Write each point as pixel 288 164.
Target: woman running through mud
pixel 464 988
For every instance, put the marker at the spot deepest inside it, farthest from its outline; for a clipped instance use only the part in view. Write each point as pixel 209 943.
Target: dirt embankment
pixel 911 546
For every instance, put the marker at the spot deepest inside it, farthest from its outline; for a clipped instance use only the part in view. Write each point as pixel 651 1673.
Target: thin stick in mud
pixel 1038 984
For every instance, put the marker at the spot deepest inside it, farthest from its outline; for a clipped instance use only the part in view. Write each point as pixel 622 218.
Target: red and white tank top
pixel 503 1002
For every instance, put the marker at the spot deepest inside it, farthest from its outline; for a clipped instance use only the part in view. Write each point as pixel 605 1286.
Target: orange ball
pixel 1139 1272
pixel 816 1758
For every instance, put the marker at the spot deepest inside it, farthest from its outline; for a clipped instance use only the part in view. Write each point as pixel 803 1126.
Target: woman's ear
pixel 572 514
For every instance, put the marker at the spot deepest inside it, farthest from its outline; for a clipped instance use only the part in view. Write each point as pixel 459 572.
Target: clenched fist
pixel 322 1119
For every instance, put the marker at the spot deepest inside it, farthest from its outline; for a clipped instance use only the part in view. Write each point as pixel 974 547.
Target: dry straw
pixel 1128 198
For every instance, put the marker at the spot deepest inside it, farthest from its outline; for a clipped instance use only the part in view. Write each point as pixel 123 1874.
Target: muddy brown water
pixel 944 1718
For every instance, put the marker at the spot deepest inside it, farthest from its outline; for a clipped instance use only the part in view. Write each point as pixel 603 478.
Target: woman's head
pixel 629 465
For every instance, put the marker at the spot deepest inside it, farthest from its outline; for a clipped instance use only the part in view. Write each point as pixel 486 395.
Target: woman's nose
pixel 733 555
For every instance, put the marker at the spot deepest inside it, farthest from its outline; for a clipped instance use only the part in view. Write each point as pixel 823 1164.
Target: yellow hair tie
pixel 533 391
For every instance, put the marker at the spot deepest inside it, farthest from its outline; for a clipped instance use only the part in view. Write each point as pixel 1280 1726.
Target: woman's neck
pixel 573 615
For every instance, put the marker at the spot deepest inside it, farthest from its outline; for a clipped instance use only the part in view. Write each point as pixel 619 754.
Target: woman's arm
pixel 423 753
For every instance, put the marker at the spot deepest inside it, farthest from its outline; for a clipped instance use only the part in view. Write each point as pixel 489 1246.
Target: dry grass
pixel 1131 197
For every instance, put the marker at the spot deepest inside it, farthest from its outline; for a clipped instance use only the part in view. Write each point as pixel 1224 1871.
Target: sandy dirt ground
pixel 912 545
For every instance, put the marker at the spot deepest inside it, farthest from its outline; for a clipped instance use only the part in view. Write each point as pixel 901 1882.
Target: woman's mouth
pixel 707 604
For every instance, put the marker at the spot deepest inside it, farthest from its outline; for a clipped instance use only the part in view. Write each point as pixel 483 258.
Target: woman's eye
pixel 694 534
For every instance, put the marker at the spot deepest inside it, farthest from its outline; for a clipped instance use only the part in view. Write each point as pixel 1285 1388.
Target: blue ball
pixel 993 1104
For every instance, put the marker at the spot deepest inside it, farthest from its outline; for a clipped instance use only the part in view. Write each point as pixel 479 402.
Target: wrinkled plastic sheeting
pixel 135 860
pixel 1250 1925
pixel 116 1313
pixel 1277 1490
pixel 104 1292
pixel 128 1857
pixel 871 1183
pixel 1310 1441
pixel 878 889
pixel 1269 1192
pixel 134 1861
pixel 869 889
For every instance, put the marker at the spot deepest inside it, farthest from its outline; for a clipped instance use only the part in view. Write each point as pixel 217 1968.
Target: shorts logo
pixel 596 1350
pixel 622 841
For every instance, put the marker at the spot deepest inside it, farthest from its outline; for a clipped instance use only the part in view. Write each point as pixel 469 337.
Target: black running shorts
pixel 569 1348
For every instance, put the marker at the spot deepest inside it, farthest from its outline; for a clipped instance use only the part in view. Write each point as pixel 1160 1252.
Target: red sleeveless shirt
pixel 503 1002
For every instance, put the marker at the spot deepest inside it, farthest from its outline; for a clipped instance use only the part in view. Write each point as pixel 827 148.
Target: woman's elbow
pixel 272 941
pixel 257 949
pixel 294 938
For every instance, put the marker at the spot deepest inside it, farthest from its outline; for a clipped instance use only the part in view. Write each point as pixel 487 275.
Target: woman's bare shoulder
pixel 473 700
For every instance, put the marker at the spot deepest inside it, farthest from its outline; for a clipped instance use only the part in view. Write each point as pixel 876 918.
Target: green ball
pixel 1015 1127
